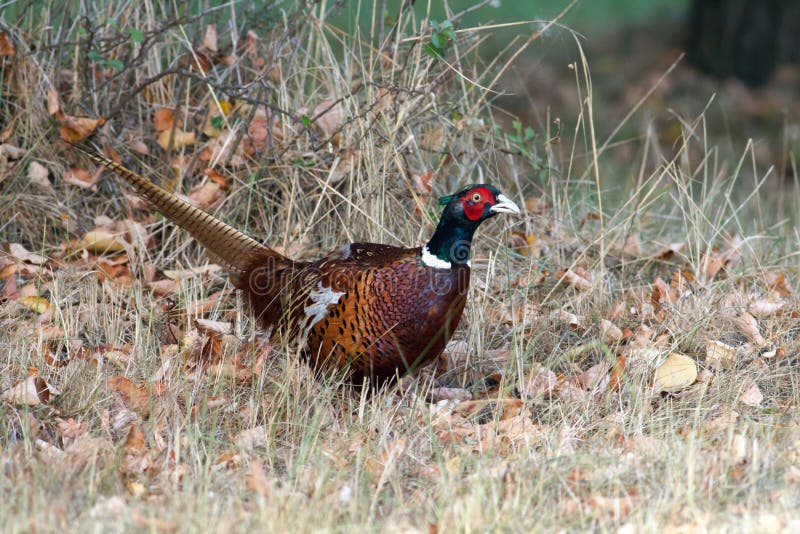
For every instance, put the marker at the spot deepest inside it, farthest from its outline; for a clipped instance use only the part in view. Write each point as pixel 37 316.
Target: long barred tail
pixel 227 244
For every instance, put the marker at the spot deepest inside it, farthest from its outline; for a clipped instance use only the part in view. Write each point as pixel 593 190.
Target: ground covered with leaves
pixel 628 356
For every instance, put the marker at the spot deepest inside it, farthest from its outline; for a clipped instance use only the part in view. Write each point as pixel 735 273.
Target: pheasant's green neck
pixel 451 241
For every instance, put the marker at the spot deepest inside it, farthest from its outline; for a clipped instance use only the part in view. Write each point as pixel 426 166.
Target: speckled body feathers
pixel 393 314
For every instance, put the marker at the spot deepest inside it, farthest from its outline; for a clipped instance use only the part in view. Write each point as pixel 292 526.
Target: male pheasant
pixel 374 311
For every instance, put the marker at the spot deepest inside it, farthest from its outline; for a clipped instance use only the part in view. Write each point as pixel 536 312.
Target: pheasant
pixel 373 311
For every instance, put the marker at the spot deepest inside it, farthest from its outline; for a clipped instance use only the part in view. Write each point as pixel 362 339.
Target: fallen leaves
pixel 33 391
pixel 720 355
pixel 676 372
pixel 579 280
pixel 38 175
pixel 102 241
pixel 748 326
pixel 175 139
pixel 71 128
pixel 752 396
pixel 134 397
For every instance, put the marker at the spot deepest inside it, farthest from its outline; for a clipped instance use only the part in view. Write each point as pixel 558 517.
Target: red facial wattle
pixel 473 206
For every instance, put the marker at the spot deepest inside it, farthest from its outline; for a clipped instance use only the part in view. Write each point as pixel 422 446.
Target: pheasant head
pixel 463 213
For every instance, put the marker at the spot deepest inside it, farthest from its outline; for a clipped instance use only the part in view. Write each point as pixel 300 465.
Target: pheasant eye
pixel 476 197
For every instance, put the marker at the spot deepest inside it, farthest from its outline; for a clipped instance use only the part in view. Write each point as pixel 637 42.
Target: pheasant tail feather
pixel 224 243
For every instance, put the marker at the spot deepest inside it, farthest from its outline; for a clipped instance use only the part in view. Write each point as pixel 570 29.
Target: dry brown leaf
pixel 53 107
pixel 720 355
pixel 676 372
pixel 70 430
pixel 618 311
pixel 32 391
pixel 101 241
pixel 422 182
pixel 752 396
pixel 37 175
pixel 163 287
pixel 332 117
pixel 669 251
pixel 206 194
pixel 764 308
pixel 210 38
pixel 76 129
pixel 133 397
pixel 572 278
pixel 180 139
pixel 38 304
pixel 23 255
pixel 779 283
pixel 218 327
pixel 6 45
pixel 595 378
pixel 163 119
pixel 136 459
pixel 663 295
pixel 748 326
pixel 82 178
pixel 610 333
pixel 617 373
pixel 567 318
pixel 217 178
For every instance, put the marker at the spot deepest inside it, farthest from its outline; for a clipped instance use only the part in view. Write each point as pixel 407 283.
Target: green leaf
pixel 306 121
pixel 529 133
pixel 217 122
pixel 94 55
pixel 116 64
pixel 137 36
pixel 433 52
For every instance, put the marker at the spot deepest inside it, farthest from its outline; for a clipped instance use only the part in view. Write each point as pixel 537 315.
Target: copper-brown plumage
pixel 376 311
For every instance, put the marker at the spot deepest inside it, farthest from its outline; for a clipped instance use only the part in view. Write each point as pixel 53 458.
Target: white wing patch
pixel 321 297
pixel 432 261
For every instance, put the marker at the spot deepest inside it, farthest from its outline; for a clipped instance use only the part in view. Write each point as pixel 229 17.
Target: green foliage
pixel 97 57
pixel 442 34
pixel 137 36
pixel 522 139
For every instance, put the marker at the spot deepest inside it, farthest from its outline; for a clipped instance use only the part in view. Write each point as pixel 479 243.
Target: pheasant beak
pixel 504 205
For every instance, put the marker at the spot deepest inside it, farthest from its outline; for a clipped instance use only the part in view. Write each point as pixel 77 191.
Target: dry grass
pixel 326 458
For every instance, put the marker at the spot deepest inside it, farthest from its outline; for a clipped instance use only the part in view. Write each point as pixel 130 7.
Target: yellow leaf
pixel 37 304
pixel 678 371
pixel 136 489
pixel 180 139
pixel 102 241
